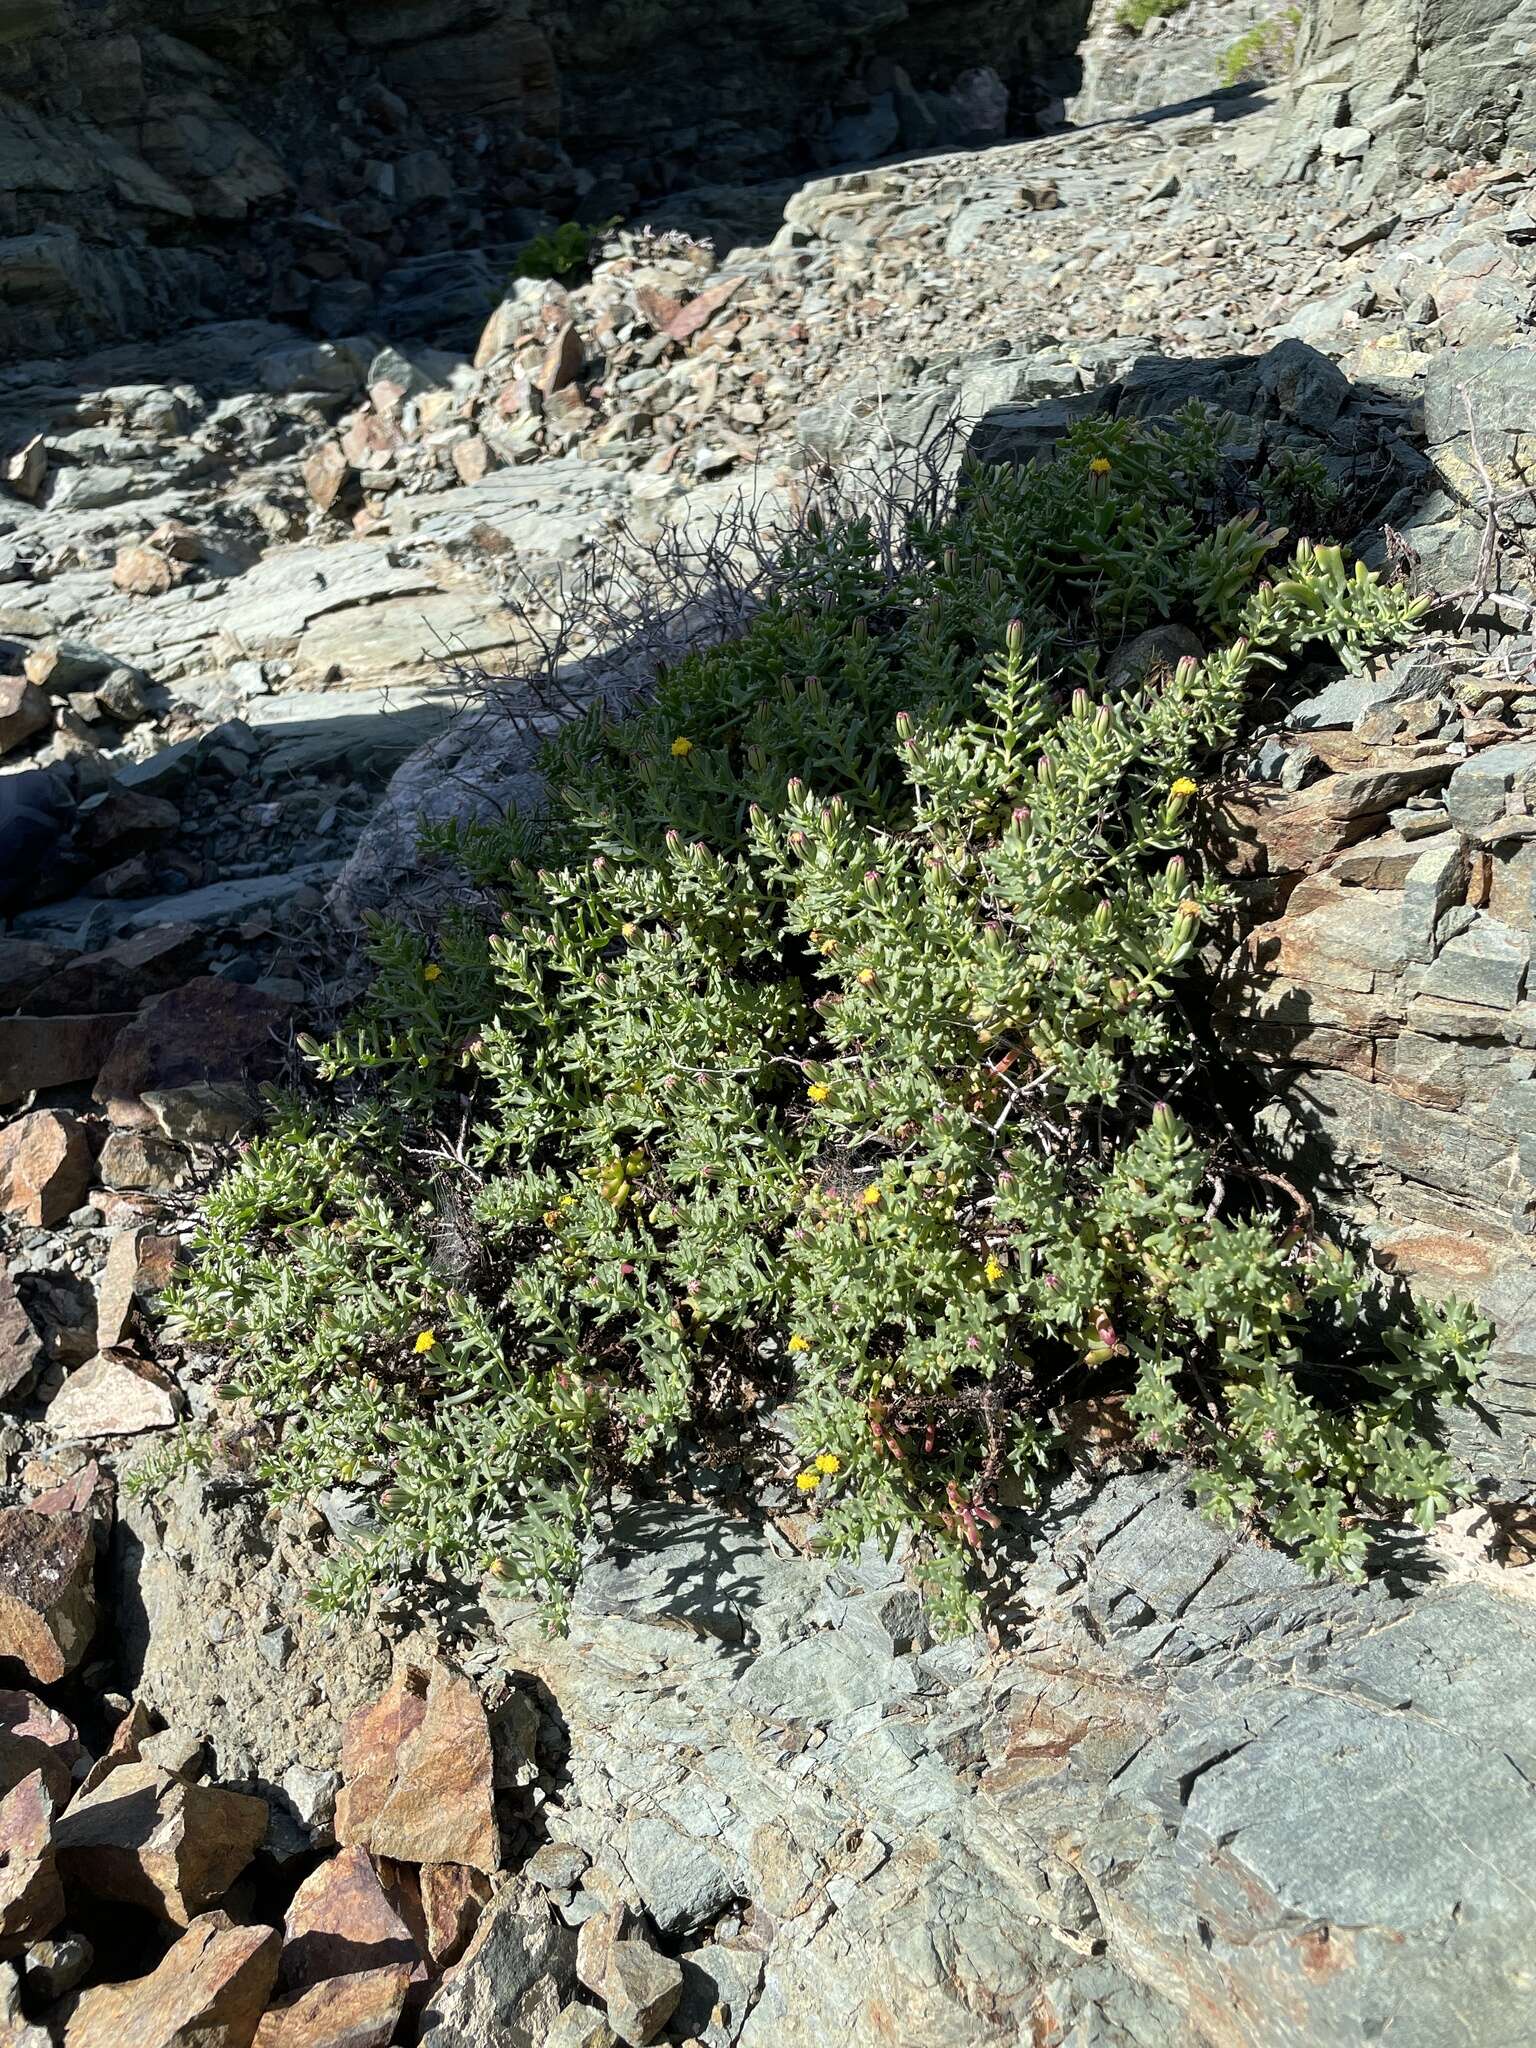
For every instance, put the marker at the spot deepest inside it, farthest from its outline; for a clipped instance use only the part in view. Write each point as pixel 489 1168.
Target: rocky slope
pixel 1183 1795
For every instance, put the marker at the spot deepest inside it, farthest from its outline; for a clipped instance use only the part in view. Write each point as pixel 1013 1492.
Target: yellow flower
pixel 870 1198
pixel 681 748
pixel 1100 466
pixel 426 1342
pixel 1184 787
pixel 551 1218
pixel 1189 908
pixel 994 1271
pixel 866 976
pixel 829 1462
pixel 818 1091
pixel 432 973
pixel 808 1481
pixel 799 1343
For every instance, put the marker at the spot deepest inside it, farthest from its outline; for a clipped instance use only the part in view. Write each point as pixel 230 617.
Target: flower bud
pixel 1015 637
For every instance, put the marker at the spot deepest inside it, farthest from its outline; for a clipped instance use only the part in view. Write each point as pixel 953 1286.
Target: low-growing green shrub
pixel 828 1074
pixel 1135 14
pixel 562 253
pixel 1265 51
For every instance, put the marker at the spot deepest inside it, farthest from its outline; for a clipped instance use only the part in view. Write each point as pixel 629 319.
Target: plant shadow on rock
pixel 774 1188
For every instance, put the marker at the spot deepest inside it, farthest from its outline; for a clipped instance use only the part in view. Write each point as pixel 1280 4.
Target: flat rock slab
pixel 116 1393
pixel 210 1989
pixel 359 2010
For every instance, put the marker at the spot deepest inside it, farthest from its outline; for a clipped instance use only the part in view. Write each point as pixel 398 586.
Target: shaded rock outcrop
pixel 159 157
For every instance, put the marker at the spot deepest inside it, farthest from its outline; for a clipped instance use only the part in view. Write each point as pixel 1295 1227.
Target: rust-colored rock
pixel 31 1896
pixel 47 1603
pixel 208 1991
pixel 359 2011
pixel 418 1774
pixel 35 1737
pixel 452 1899
pixel 327 474
pixel 562 361
pixel 53 1052
pixel 21 1349
pixel 341 1922
pixel 135 1726
pixel 471 458
pixel 85 1491
pixel 700 310
pixel 116 1393
pixel 152 1839
pixel 145 572
pixel 210 1035
pixel 24 712
pixel 45 1167
pixel 139 1264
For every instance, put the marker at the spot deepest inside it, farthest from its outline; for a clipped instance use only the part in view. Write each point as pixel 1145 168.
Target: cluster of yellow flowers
pixel 828 1463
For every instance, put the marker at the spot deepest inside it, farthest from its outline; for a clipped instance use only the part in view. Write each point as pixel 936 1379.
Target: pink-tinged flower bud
pixel 795 789
pixel 973 1343
pixel 695 1286
pixel 871 874
pixel 1021 815
pixel 1053 1283
pixel 1015 636
pixel 627 1268
pixel 1079 702
pixel 674 837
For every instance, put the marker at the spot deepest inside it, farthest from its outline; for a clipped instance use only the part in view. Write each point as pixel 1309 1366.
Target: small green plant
pixel 1297 492
pixel 563 253
pixel 1265 51
pixel 827 1064
pixel 1135 14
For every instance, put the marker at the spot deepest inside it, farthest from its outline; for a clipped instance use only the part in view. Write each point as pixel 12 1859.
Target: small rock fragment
pixel 23 712
pixel 151 1839
pixel 641 1990
pixel 21 1349
pixel 139 1263
pixel 31 1896
pixel 144 572
pixel 51 1969
pixel 47 1602
pixel 45 1167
